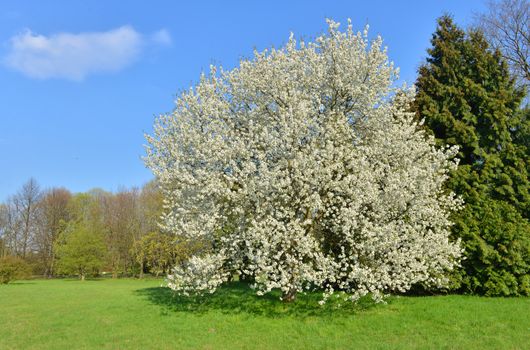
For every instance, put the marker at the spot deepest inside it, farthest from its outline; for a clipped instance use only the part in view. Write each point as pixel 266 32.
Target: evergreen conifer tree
pixel 468 98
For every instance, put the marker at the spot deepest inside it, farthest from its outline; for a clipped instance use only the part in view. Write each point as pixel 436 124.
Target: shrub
pixel 13 268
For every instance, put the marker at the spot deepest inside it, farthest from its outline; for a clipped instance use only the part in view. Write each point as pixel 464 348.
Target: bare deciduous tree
pixel 10 226
pixel 3 230
pixel 122 226
pixel 507 27
pixel 26 204
pixel 150 203
pixel 54 215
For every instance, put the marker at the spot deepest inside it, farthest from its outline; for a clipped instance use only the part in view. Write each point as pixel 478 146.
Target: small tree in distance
pixel 80 251
pixel 158 252
pixel 13 268
pixel 155 251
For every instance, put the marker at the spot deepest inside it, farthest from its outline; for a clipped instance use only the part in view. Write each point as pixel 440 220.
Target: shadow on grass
pixel 238 297
pixel 88 279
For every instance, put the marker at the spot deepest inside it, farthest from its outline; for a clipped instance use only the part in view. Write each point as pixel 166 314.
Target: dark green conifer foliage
pixel 468 98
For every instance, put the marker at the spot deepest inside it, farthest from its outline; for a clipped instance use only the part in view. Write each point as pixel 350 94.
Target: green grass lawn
pixel 139 314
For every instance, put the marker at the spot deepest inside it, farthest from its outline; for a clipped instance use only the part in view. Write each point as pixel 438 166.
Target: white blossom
pixel 303 169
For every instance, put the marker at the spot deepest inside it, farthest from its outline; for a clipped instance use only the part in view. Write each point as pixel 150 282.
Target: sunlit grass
pixel 139 314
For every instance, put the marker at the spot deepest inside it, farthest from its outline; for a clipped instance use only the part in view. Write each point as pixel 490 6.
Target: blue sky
pixel 83 81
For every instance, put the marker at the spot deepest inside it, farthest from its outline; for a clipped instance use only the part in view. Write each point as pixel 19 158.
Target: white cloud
pixel 74 56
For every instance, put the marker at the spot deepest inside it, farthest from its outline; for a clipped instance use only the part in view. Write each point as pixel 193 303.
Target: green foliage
pixel 155 251
pixel 80 251
pixel 159 252
pixel 497 249
pixel 13 268
pixel 468 98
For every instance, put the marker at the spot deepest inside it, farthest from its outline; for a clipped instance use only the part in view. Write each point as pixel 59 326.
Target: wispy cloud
pixel 74 56
pixel 162 37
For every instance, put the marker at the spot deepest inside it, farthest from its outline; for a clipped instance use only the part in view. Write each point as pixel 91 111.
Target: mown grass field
pixel 139 314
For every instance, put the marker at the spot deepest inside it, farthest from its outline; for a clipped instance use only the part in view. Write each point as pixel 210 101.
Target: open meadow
pixel 139 314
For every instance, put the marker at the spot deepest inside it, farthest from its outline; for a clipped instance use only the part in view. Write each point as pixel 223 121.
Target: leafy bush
pixel 13 268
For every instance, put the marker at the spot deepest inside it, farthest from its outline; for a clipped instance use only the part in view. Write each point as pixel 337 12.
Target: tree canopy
pixel 80 251
pixel 302 168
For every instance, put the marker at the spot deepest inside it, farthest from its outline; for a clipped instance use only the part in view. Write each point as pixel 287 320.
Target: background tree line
pixel 57 232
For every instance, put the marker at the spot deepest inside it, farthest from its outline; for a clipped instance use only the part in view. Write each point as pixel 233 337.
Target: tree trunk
pixel 290 296
pixel 115 270
pixel 52 264
pixel 115 267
